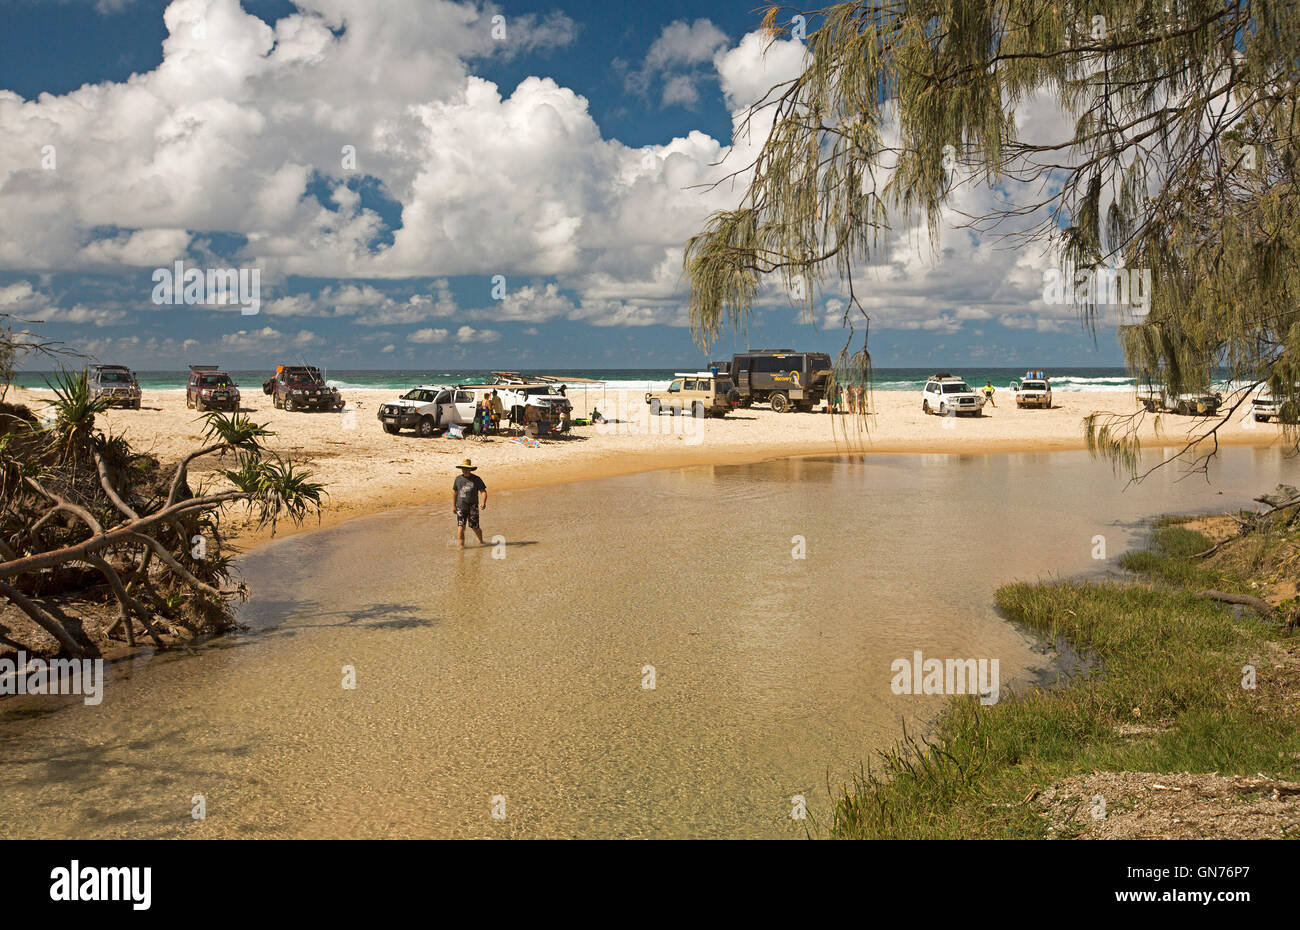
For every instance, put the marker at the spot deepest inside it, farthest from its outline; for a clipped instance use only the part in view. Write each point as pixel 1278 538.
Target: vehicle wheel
pixel 943 409
pixel 699 411
pixel 136 405
pixel 392 429
pixel 925 407
pixel 288 404
pixel 780 403
pixel 675 411
pixel 654 406
pixel 733 397
pixel 426 427
pixel 188 402
pixel 746 402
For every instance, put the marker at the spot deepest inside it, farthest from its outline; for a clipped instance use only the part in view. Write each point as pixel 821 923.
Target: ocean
pixel 639 379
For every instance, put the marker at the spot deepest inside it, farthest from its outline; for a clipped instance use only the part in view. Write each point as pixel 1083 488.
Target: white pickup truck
pixel 428 409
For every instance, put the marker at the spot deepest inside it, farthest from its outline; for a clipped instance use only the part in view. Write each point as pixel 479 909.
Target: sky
pixel 416 184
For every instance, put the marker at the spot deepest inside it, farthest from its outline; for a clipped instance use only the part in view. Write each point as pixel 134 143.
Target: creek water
pixel 644 657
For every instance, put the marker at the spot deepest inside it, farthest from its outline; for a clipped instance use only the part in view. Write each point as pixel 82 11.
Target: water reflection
pixel 769 599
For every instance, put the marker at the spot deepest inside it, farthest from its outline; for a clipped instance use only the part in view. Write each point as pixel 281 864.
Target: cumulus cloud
pixel 470 334
pixel 271 133
pixel 677 58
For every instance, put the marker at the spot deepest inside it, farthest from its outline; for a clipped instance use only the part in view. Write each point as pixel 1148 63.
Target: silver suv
pixel 116 382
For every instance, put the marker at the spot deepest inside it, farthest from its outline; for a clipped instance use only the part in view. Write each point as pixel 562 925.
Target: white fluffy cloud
pixel 470 334
pixel 241 119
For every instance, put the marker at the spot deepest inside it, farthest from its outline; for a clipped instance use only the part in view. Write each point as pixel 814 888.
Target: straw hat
pixel 469 466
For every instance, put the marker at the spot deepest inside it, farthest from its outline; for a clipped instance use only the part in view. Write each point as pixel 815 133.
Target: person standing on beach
pixel 988 393
pixel 468 497
pixel 498 410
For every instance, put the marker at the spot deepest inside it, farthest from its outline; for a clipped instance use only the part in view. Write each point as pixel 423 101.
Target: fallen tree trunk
pixel 1261 607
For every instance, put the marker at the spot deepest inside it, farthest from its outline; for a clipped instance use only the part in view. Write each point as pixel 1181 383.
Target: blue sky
pixel 514 198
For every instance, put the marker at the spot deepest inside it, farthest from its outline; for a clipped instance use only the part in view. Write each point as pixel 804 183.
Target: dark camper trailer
pixel 781 377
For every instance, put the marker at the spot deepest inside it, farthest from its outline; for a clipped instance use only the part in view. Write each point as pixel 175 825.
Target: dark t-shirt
pixel 466 489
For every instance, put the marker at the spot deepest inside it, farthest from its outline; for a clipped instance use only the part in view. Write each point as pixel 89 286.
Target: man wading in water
pixel 465 493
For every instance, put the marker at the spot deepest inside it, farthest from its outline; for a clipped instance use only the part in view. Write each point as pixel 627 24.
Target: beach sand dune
pixel 367 470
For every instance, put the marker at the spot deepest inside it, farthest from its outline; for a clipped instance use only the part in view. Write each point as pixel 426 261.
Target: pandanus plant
pixel 75 409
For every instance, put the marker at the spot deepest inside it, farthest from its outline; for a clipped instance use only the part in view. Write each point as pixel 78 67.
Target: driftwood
pixel 1245 600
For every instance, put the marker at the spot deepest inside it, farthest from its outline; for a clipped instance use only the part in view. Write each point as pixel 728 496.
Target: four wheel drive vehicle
pixel 948 395
pixel 428 409
pixel 1034 391
pixel 699 394
pixel 526 399
pixel 1156 400
pixel 1266 406
pixel 301 387
pixel 780 377
pixel 210 388
pixel 116 382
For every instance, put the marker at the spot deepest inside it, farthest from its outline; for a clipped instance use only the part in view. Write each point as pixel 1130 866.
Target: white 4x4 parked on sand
pixel 1265 406
pixel 428 409
pixel 948 395
pixel 1034 392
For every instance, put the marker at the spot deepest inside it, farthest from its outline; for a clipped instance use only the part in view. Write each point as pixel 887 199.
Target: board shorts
pixel 468 515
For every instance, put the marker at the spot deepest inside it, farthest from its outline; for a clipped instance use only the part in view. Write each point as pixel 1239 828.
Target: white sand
pixel 367 470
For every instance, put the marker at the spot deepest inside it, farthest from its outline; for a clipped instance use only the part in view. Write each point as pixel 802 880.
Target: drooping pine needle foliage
pixel 1176 153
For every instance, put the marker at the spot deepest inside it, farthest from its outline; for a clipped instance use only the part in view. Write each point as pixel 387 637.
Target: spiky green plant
pixel 75 409
pixel 277 488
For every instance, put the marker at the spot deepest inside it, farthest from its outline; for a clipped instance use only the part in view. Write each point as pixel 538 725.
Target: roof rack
pixel 205 368
pixel 695 374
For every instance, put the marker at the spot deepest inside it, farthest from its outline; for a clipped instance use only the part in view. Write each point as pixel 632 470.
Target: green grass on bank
pixel 1166 696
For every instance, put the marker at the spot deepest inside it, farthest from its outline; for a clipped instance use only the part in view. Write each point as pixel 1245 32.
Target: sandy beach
pixel 368 471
